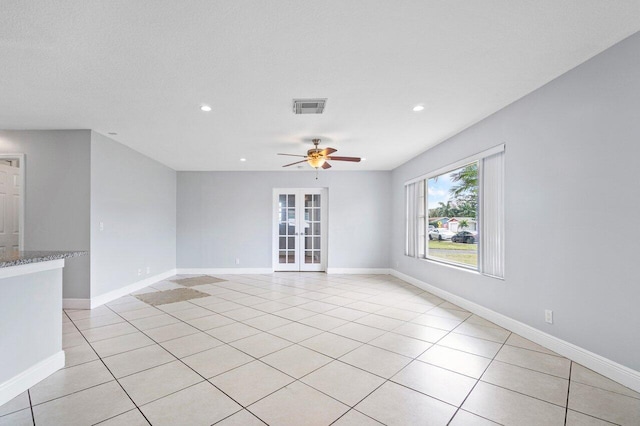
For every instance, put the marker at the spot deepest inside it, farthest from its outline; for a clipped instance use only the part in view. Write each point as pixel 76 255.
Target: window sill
pixel 450 264
pixel 457 267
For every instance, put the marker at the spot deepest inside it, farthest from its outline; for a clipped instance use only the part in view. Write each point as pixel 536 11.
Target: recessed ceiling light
pixel 418 108
pixel 243 159
pixel 205 108
pixel 363 159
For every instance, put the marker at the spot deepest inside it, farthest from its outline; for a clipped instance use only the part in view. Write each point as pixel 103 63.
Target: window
pixel 455 214
pixel 453 219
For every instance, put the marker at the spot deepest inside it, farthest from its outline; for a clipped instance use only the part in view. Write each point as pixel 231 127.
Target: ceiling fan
pixel 317 157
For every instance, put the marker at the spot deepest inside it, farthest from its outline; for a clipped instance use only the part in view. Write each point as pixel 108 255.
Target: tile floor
pixel 309 349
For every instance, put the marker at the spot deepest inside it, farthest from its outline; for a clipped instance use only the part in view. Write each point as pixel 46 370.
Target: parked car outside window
pixel 440 234
pixel 467 237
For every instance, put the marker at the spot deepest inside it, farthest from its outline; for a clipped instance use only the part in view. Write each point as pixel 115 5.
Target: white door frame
pixel 300 265
pixel 23 192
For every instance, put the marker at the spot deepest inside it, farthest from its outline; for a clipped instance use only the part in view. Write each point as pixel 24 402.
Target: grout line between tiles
pixel 33 417
pixel 114 377
pixel 196 372
pixel 476 383
pixel 597 418
pixel 530 369
pixel 233 414
pixel 566 411
pixel 605 390
pixel 295 379
pixel 255 286
pixel 353 409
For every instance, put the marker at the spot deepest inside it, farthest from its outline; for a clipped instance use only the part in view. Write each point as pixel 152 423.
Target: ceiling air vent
pixel 309 106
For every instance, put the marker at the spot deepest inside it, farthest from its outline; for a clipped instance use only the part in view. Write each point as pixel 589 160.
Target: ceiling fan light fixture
pixel 316 162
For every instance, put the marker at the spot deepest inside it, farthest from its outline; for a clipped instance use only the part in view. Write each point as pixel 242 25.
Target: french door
pixel 300 229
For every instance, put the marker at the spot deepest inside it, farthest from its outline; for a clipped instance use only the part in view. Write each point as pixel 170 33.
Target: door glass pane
pixel 316 229
pixel 312 256
pixel 308 200
pixel 286 228
pixel 291 221
pixel 308 243
pixel 316 200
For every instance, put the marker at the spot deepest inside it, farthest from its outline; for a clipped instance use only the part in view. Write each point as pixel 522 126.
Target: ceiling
pixel 143 68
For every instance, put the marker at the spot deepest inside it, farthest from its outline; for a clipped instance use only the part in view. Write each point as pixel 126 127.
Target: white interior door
pixel 9 208
pixel 300 229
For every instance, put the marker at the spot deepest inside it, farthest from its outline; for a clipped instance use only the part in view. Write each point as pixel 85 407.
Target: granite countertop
pixel 15 258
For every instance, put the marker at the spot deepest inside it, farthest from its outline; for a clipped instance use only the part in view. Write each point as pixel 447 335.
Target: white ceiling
pixel 143 68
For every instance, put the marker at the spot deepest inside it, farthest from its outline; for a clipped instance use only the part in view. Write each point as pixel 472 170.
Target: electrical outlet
pixel 148 270
pixel 139 272
pixel 237 261
pixel 102 226
pixel 548 316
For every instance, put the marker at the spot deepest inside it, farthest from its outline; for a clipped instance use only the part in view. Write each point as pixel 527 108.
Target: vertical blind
pixel 411 192
pixel 492 215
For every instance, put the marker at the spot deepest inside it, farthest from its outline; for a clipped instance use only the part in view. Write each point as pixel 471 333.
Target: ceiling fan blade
pixel 353 159
pixel 326 165
pixel 328 151
pixel 292 155
pixel 297 162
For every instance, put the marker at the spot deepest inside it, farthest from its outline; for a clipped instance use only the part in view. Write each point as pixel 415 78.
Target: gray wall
pixel 57 196
pixel 227 215
pixel 572 197
pixel 135 197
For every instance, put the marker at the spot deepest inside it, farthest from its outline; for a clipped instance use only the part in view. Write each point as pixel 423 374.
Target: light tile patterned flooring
pixel 310 349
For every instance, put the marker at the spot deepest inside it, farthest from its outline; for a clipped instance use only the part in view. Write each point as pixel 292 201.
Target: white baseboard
pixel 225 271
pixel 608 368
pixel 138 285
pixel 363 271
pixel 76 303
pixel 28 378
pixel 96 301
pixel 259 271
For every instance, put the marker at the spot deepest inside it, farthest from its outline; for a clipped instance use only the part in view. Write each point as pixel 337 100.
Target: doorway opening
pixel 300 229
pixel 11 203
